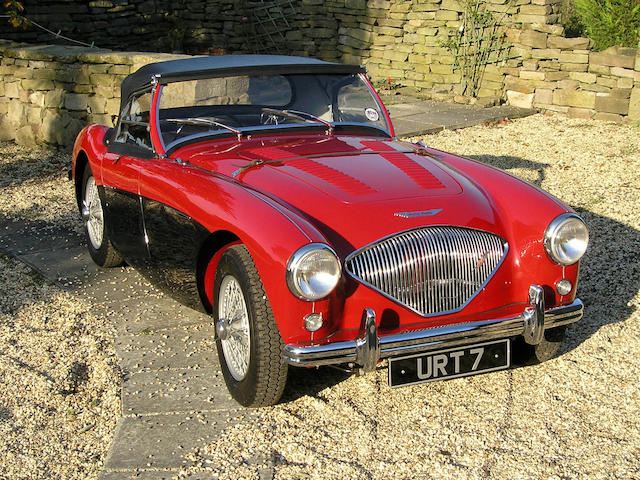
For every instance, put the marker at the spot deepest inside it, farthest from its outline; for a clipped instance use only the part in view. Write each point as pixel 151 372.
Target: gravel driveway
pixel 59 378
pixel 576 416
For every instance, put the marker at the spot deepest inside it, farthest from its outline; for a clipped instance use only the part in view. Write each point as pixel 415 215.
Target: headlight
pixel 566 239
pixel 313 272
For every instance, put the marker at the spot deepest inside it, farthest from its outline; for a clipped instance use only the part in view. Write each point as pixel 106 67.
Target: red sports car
pixel 271 192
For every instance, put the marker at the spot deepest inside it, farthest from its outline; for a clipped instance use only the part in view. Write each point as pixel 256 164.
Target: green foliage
pixel 610 22
pixel 479 42
pixel 570 20
pixel 386 84
pixel 14 10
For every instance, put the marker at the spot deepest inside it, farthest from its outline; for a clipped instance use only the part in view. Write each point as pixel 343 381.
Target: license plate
pixel 449 363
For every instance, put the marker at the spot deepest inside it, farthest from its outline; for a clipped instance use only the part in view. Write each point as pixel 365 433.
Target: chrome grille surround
pixel 430 270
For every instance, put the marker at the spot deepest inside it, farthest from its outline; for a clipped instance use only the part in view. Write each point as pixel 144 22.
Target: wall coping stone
pixel 67 54
pixel 623 57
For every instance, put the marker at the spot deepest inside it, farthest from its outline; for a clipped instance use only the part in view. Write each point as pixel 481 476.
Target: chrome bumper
pixel 368 348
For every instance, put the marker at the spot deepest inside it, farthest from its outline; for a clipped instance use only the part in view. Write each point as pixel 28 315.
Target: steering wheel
pixel 271 119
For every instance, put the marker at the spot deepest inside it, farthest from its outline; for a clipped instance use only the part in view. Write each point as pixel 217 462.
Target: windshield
pixel 234 104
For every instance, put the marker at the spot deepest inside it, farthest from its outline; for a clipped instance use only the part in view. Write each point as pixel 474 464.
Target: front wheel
pixel 248 340
pixel 100 248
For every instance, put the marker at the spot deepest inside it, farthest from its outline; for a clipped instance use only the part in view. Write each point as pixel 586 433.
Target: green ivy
pixel 610 22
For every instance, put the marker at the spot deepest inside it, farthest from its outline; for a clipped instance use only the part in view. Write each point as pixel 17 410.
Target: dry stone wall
pixel 564 75
pixel 141 25
pixel 405 41
pixel 49 93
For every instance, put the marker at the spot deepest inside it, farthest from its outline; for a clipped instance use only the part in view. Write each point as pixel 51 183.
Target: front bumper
pixel 369 348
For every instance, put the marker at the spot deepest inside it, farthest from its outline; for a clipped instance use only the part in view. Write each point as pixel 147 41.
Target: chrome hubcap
pixel 233 327
pixel 92 213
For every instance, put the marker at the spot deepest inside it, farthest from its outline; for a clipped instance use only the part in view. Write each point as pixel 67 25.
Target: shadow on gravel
pixel 610 271
pixel 25 235
pixel 23 169
pixel 506 162
pixel 309 382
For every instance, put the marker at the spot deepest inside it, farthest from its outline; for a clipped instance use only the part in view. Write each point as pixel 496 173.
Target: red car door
pixel 123 204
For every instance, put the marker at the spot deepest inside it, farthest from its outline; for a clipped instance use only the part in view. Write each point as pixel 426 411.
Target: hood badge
pixel 422 213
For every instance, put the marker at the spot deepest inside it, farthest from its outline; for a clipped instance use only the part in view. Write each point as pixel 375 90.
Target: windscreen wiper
pixel 300 116
pixel 204 121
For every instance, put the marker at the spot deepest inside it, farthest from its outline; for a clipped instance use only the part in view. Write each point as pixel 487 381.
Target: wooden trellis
pixel 479 42
pixel 267 23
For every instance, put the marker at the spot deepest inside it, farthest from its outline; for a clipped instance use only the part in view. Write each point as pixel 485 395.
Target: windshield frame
pixel 163 149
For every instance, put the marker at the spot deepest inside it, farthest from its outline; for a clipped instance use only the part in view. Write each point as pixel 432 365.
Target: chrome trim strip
pixel 420 341
pixel 279 209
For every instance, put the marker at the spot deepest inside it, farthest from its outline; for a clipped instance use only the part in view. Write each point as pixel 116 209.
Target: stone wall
pixel 634 101
pixel 404 41
pixel 143 25
pixel 401 40
pixel 563 75
pixel 49 93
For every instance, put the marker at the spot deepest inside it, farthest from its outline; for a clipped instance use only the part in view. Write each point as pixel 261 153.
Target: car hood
pixel 355 190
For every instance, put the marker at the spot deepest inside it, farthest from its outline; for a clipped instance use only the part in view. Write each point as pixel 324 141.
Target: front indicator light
pixel 313 322
pixel 563 287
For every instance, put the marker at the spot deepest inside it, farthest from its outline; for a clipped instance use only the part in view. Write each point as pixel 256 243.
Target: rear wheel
pixel 547 349
pixel 100 248
pixel 248 340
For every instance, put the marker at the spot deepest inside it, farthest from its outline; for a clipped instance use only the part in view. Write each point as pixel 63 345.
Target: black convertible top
pixel 224 65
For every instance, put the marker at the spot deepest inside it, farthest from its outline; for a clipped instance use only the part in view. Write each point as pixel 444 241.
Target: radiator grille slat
pixel 431 270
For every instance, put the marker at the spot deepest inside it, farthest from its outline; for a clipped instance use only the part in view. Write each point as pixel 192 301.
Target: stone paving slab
pixel 179 347
pixel 130 474
pixel 20 237
pixel 112 286
pixel 153 312
pixel 404 125
pixel 412 117
pixel 200 389
pixel 161 441
pixel 60 265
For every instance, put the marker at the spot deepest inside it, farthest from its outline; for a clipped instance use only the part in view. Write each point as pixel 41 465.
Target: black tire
pixel 103 254
pixel 266 372
pixel 526 354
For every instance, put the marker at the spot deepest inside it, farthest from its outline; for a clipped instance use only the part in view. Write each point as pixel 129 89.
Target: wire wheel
pixel 234 318
pixel 96 223
pixel 247 336
pixel 92 213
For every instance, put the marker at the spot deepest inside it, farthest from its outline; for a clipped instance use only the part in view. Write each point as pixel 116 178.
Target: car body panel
pixel 275 191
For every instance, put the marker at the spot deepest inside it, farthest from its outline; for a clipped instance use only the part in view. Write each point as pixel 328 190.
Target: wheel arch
pixel 81 163
pixel 207 261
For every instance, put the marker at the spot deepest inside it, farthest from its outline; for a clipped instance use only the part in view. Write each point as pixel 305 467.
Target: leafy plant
pixel 610 22
pixel 571 21
pixel 386 84
pixel 13 10
pixel 478 42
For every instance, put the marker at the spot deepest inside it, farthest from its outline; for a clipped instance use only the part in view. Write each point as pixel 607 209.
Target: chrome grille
pixel 431 270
